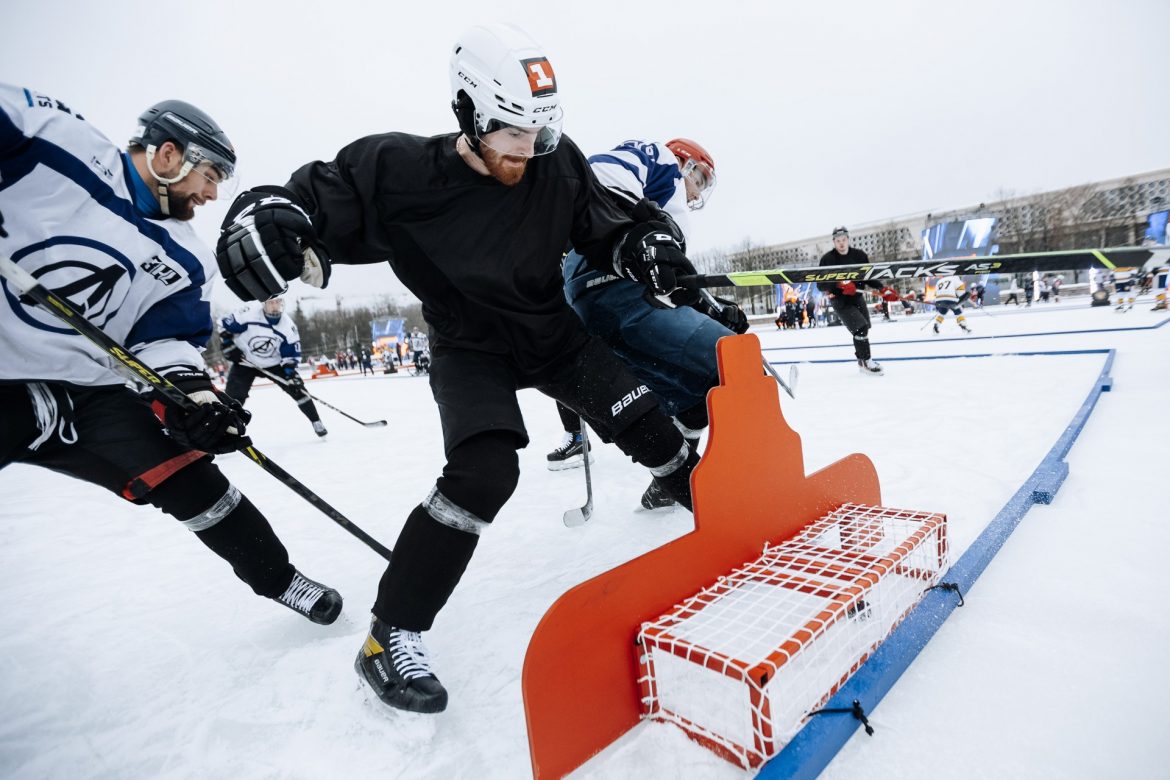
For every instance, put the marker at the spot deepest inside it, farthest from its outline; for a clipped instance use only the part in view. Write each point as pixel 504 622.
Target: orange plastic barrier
pixel 322 371
pixel 580 678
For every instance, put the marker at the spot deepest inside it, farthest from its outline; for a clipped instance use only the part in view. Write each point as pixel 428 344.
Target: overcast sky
pixel 816 114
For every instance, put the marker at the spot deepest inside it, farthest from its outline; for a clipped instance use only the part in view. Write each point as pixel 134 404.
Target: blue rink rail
pixel 814 746
pixel 936 340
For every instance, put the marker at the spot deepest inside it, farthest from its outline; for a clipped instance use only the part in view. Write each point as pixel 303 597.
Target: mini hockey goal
pixel 741 665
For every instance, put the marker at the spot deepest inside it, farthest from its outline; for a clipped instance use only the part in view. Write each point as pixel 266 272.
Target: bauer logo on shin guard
pixel 629 398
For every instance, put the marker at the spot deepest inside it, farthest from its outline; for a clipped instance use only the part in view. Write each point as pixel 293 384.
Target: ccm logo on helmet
pixel 468 79
pixel 541 79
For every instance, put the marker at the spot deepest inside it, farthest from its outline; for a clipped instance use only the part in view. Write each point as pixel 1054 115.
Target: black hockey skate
pixel 315 601
pixel 395 664
pixel 319 428
pixel 569 455
pixel 870 367
pixel 656 498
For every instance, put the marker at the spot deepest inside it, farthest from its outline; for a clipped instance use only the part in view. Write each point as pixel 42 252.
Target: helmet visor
pixel 700 183
pixel 214 167
pixel 517 140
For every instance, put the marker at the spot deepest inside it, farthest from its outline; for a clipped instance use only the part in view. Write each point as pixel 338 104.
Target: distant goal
pixel 740 665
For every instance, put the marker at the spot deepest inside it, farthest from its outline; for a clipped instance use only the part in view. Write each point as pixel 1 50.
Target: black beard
pixel 181 207
pixel 503 167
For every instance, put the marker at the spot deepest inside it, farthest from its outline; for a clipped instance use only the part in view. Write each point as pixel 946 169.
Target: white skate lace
pixel 302 594
pixel 566 442
pixel 409 654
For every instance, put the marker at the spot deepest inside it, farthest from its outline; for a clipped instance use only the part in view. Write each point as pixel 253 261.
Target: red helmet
pixel 696 164
pixel 685 149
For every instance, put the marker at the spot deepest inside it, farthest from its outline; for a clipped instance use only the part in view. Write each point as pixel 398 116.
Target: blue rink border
pixel 815 745
pixel 1165 321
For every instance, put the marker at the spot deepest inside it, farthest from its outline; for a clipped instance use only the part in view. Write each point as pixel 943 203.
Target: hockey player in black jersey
pixel 848 302
pixel 108 230
pixel 475 224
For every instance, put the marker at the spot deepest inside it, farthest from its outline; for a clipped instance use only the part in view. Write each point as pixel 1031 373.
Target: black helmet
pixel 186 126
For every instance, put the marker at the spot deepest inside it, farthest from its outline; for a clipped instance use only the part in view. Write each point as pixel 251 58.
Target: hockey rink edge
pixel 966 337
pixel 815 745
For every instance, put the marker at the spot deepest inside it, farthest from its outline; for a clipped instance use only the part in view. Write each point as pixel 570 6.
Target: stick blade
pixel 376 424
pixel 575 518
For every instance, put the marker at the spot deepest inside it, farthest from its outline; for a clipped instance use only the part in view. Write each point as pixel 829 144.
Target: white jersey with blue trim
pixel 642 169
pixel 632 170
pixel 66 196
pixel 262 343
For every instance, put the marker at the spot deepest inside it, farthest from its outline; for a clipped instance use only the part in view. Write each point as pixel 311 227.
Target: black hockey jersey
pixel 483 257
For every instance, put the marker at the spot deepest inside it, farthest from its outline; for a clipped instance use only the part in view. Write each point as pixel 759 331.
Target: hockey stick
pixel 27 286
pixel 1072 259
pixel 326 404
pixel 790 385
pixel 578 517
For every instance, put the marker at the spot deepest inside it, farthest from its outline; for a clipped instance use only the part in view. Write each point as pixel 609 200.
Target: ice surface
pixel 128 650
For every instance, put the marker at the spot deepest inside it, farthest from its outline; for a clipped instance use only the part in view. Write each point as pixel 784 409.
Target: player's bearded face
pixel 193 190
pixel 506 168
pixel 181 205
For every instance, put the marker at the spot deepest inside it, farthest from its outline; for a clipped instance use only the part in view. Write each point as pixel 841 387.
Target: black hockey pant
pixel 854 315
pixel 108 437
pixel 239 384
pixel 482 431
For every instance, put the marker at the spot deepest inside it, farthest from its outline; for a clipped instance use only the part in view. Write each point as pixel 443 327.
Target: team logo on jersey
pixel 541 79
pixel 93 277
pixel 161 271
pixel 264 346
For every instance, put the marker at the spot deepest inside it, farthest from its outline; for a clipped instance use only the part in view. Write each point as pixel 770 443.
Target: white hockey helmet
pixel 501 79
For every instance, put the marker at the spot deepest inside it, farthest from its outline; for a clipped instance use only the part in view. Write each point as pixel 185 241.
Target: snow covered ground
pixel 128 650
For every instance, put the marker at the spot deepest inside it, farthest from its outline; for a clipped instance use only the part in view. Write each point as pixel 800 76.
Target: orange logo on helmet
pixel 541 79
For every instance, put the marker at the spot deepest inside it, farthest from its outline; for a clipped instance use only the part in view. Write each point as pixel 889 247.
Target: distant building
pixel 1108 213
pixel 1101 214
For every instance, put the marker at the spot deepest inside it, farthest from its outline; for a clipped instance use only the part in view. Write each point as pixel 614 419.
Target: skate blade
pixel 574 462
pixel 642 508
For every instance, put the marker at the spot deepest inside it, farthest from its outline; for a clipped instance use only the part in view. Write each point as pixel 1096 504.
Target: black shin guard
pixel 481 473
pixel 203 500
pixel 570 420
pixel 695 417
pixel 309 409
pixel 429 560
pixel 654 441
pixel 677 483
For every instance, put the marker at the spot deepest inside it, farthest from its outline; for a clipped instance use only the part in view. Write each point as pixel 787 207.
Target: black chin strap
pixel 464 110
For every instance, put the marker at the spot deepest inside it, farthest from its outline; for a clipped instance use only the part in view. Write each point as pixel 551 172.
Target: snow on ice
pixel 128 650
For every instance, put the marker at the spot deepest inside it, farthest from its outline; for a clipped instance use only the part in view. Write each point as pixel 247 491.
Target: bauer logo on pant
pixel 629 398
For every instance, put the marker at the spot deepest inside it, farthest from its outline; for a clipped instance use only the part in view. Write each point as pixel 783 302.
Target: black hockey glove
pixel 726 313
pixel 292 376
pixel 227 346
pixel 647 210
pixel 650 254
pixel 266 240
pixel 216 425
